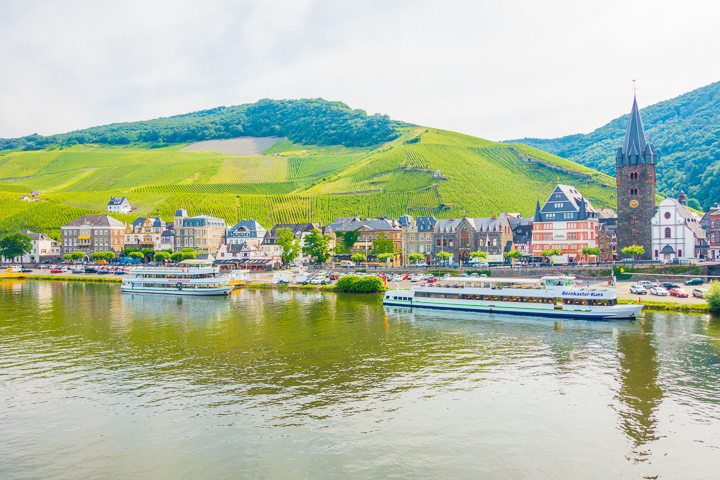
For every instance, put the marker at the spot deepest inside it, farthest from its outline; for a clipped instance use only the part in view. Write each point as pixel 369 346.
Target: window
pixel 634 220
pixel 633 175
pixel 634 232
pixel 656 253
pixel 633 191
pixel 667 215
pixel 679 253
pixel 494 244
pixel 668 233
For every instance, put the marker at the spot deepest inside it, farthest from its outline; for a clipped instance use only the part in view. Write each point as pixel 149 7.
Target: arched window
pixel 633 191
pixel 667 233
pixel 633 175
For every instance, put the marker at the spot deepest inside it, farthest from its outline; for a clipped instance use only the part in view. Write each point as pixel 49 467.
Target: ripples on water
pixel 298 385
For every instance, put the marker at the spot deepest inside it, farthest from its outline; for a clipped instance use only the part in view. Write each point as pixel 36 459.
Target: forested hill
pixel 305 121
pixel 685 132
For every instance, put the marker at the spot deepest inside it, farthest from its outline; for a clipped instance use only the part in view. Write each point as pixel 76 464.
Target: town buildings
pixel 145 232
pixel 676 231
pixel 462 236
pixel 711 224
pixel 118 205
pixel 270 248
pixel 607 242
pixel 247 255
pixel 416 236
pixel 374 235
pixel 567 222
pixel 635 164
pixel 202 233
pixel 93 233
pixel 43 248
pixel 522 234
pixel 245 231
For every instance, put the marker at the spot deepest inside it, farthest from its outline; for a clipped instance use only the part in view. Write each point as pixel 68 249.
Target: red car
pixel 58 270
pixel 334 276
pixel 678 292
pixel 432 280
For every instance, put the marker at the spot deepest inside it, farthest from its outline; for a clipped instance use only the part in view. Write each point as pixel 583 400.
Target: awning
pixel 667 249
pixel 84 237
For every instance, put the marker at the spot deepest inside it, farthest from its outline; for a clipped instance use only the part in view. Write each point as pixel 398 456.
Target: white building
pixel 676 231
pixel 118 205
pixel 245 231
pixel 43 248
pixel 567 222
pixel 145 232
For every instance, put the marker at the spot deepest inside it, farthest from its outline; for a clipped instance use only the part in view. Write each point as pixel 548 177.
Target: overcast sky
pixel 497 70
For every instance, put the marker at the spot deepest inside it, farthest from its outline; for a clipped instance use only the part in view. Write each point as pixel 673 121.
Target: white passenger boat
pixel 556 296
pixel 193 281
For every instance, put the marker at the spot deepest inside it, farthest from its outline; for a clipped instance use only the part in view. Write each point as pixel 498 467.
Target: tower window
pixel 634 220
pixel 668 233
pixel 634 232
pixel 633 191
pixel 667 214
pixel 633 175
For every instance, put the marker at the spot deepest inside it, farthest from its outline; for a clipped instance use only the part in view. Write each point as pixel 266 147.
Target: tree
pixel 590 252
pixel 385 257
pixel 415 257
pixel 176 257
pixel 147 253
pixel 136 255
pixel 358 258
pixel 347 240
pixel 550 253
pixel 317 246
pixel 633 250
pixel 161 256
pixel 480 256
pixel 128 250
pixel 75 256
pixel 383 245
pixel 289 244
pixel 513 255
pixel 15 245
pixel 713 296
pixel 443 256
pixel 107 256
pixel 67 257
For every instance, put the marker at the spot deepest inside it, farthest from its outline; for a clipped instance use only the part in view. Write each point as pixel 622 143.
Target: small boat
pixel 555 296
pixel 192 281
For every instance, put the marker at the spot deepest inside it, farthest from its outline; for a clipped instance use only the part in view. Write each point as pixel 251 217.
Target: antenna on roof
pixel 635 87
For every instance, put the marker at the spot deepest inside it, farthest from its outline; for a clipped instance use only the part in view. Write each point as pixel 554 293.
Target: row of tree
pixel 306 121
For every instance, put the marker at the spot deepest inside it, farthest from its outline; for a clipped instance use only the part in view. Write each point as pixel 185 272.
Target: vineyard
pixel 292 183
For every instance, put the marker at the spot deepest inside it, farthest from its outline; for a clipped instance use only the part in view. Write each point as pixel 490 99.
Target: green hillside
pixel 685 131
pixel 291 182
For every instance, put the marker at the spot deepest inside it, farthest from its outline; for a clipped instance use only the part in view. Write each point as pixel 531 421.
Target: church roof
pixel 636 148
pixel 635 134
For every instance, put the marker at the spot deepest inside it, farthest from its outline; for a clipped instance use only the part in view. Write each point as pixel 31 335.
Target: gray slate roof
pixel 95 221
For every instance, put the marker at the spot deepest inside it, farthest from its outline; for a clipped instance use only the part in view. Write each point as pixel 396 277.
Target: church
pixel 635 164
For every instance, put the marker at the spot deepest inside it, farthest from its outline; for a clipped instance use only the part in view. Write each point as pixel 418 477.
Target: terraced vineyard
pixel 293 183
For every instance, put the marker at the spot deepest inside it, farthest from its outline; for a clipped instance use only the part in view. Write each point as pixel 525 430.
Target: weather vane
pixel 634 87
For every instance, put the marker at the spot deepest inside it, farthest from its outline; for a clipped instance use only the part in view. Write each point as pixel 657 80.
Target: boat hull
pixel 608 313
pixel 214 292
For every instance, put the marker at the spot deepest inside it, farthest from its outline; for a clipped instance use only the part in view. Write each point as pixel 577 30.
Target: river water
pixel 273 384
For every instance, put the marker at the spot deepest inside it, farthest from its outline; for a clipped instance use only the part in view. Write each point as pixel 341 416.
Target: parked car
pixel 432 280
pixel 659 291
pixel 694 281
pixel 646 284
pixel 104 271
pixel 120 271
pixel 678 292
pixel 58 270
pixel 421 264
pixel 699 292
pixel 638 289
pixel 627 260
pixel 90 270
pixel 26 270
pixel 669 285
pixel 482 265
pixel 78 270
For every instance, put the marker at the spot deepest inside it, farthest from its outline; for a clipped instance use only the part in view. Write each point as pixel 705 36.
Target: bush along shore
pixel 349 284
pixel 669 306
pixel 61 278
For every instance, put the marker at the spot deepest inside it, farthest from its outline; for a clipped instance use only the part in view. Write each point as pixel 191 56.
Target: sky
pixel 493 69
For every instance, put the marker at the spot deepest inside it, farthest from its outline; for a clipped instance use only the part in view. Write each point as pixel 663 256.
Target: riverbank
pixel 270 286
pixel 668 306
pixel 68 278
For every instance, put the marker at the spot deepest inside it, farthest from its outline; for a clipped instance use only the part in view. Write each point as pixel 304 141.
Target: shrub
pixel 713 296
pixel 351 283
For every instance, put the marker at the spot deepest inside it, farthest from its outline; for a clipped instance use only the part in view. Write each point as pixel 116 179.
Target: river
pixel 276 384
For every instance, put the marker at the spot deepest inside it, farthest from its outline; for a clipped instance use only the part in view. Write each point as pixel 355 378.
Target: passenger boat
pixel 193 281
pixel 556 296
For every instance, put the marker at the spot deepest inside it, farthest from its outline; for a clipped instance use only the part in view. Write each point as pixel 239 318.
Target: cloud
pixel 492 69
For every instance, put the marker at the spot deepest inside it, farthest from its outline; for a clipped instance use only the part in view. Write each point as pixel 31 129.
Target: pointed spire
pixel 583 211
pixel 635 132
pixel 538 218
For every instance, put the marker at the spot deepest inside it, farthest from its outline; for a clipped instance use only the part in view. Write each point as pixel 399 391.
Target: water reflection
pixel 639 391
pixel 427 392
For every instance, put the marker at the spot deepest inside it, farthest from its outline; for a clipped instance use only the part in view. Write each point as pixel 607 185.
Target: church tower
pixel 635 164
